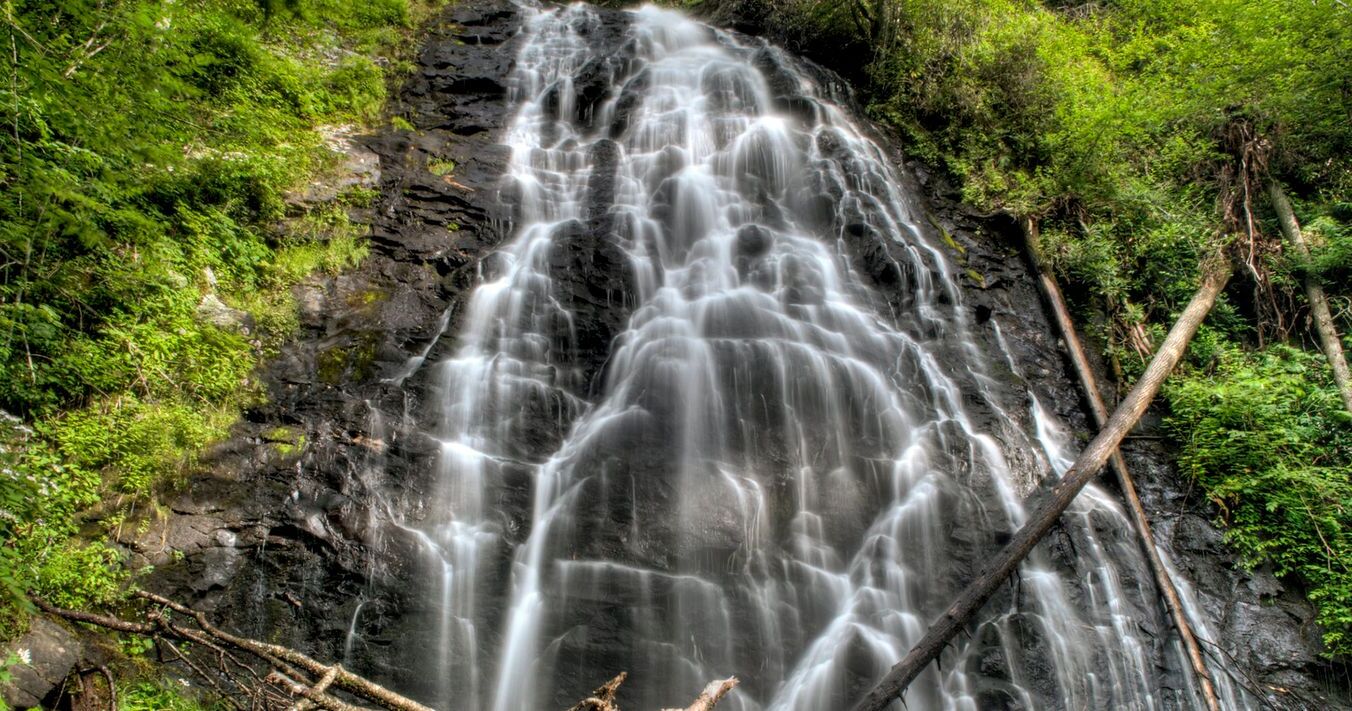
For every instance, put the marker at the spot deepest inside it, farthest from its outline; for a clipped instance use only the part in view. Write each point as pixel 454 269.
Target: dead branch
pixel 1329 340
pixel 957 616
pixel 104 621
pixel 112 687
pixel 295 681
pixel 296 674
pixel 711 695
pixel 311 696
pixel 1051 292
pixel 202 673
pixel 603 698
pixel 274 653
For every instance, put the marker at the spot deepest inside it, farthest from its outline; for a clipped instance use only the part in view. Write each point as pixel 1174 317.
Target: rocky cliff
pixel 291 534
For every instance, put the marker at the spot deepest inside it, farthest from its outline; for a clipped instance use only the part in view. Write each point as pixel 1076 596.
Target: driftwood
pixel 293 681
pixel 603 698
pixel 1319 305
pixel 1089 385
pixel 1086 466
pixel 711 695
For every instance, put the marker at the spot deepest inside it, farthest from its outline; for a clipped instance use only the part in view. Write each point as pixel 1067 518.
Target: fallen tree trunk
pixel 295 681
pixel 1051 291
pixel 603 698
pixel 1319 305
pixel 712 694
pixel 288 685
pixel 1086 466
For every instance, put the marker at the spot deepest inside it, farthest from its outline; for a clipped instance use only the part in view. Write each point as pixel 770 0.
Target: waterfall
pixel 716 408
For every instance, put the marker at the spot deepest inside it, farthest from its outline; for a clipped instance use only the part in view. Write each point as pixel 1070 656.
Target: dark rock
pixel 291 506
pixel 753 241
pixel 358 168
pixel 47 654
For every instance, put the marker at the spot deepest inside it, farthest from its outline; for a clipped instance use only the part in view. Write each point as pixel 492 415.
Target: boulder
pixel 47 655
pixel 215 312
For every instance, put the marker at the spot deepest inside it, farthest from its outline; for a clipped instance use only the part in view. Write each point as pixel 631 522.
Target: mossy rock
pixel 441 167
pixel 366 297
pixel 285 441
pixel 348 361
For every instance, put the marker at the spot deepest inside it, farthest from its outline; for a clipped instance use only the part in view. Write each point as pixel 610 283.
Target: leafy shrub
pixel 1267 437
pixel 356 88
pixel 137 445
pixel 159 695
pixel 138 179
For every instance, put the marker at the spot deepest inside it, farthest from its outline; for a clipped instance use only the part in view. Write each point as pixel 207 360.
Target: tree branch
pixel 1086 466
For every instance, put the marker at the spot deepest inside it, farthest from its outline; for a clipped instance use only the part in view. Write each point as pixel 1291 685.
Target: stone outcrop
pixel 45 656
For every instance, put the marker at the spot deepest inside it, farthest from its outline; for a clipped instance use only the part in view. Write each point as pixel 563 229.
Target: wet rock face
pixel 1266 625
pixel 290 535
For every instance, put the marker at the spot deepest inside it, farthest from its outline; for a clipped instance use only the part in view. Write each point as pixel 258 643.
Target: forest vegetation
pixel 147 150
pixel 146 147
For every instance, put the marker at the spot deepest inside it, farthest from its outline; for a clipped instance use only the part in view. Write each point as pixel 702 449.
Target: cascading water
pixel 715 409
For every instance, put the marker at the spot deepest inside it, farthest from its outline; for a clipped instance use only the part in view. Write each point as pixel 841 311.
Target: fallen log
pixel 295 681
pixel 1051 291
pixel 290 673
pixel 603 698
pixel 314 696
pixel 712 694
pixel 1084 469
pixel 344 679
pixel 1314 293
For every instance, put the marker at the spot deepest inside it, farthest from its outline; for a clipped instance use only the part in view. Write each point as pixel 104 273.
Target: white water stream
pixel 782 473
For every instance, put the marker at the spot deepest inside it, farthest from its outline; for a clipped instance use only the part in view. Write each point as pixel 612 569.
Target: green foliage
pixel 134 645
pixel 40 498
pixel 1105 120
pixel 325 241
pixel 145 151
pixel 356 87
pixel 441 167
pixel 1266 436
pixel 136 445
pixel 1330 232
pixel 6 674
pixel 80 575
pixel 160 695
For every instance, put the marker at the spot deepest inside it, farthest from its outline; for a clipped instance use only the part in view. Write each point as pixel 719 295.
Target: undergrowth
pixel 146 152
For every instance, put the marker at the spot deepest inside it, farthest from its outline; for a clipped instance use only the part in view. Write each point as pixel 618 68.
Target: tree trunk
pixel 1319 306
pixel 1089 384
pixel 1086 466
pixel 303 682
pixel 712 694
